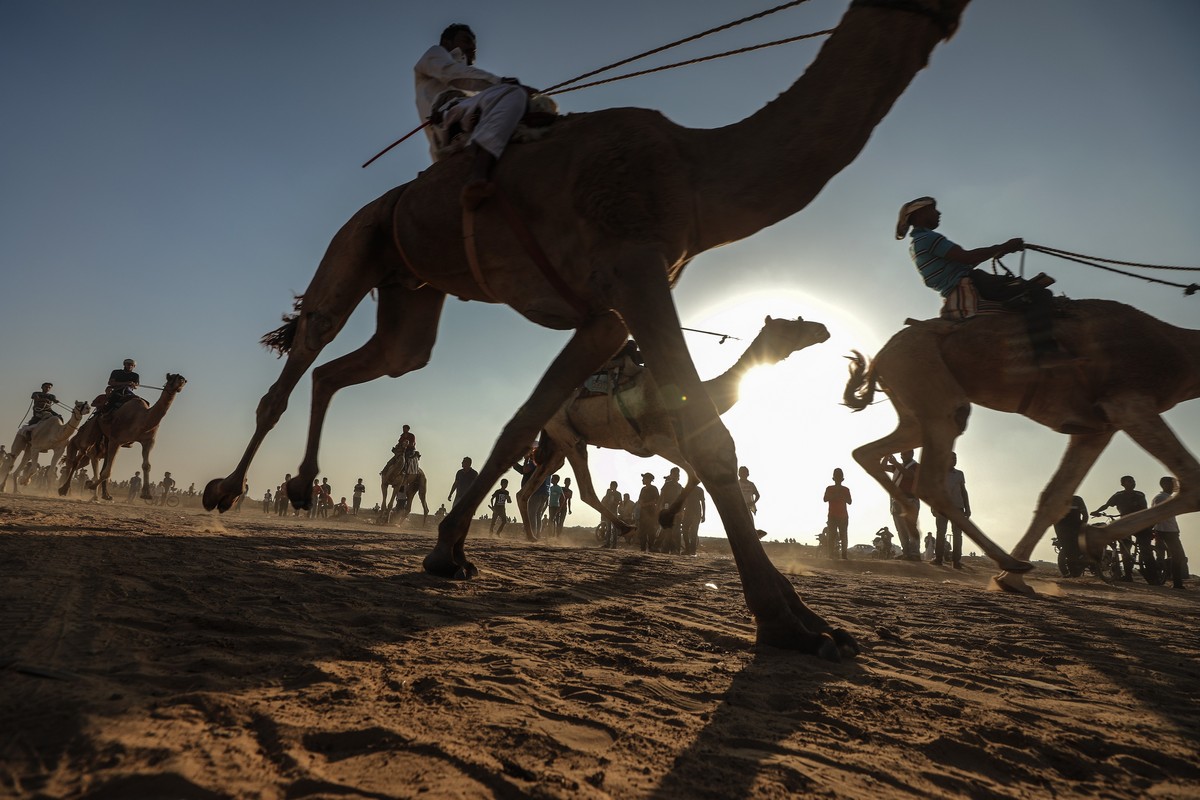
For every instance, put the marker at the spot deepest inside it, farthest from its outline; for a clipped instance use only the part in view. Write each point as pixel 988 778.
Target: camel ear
pixel 768 319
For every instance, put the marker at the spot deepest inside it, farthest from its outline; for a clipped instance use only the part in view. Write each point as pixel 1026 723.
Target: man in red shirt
pixel 838 498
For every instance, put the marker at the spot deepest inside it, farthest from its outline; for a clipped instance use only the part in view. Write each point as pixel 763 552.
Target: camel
pixel 135 421
pixel 636 419
pixel 1131 368
pixel 412 484
pixel 615 204
pixel 49 435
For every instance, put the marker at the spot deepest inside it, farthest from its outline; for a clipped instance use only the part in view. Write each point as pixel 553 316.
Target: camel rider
pixel 943 265
pixel 405 447
pixel 42 408
pixel 121 383
pixel 458 97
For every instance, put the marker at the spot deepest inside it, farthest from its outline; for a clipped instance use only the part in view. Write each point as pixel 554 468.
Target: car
pixel 861 550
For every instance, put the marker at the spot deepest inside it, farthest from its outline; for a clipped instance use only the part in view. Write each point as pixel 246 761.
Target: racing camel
pixel 49 435
pixel 618 202
pixel 104 434
pixel 634 418
pixel 1130 369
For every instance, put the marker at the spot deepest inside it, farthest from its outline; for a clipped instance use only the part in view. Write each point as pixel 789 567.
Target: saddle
pixel 964 300
pixel 540 113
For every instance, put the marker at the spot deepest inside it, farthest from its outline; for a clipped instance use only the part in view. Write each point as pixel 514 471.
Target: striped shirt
pixel 928 250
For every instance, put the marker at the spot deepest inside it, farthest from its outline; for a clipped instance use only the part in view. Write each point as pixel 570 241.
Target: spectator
pixel 1167 531
pixel 647 513
pixel 838 515
pixel 359 488
pixel 956 489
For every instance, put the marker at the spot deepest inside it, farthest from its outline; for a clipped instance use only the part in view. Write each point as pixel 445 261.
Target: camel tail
pixel 860 388
pixel 280 340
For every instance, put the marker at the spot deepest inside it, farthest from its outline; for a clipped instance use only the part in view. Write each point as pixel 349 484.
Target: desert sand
pixel 170 653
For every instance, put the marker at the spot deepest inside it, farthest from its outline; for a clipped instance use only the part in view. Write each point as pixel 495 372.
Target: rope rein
pixel 692 38
pixel 689 62
pixel 1095 261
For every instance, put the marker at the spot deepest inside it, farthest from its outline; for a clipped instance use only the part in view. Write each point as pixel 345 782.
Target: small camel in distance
pixel 1131 368
pixel 636 419
pixel 412 484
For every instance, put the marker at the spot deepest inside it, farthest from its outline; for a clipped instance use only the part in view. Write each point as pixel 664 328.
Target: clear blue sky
pixel 170 173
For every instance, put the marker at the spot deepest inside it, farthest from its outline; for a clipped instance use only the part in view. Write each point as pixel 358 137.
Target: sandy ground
pixel 166 653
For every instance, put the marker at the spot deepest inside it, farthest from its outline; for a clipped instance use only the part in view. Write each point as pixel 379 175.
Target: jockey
pixel 405 447
pixel 943 265
pixel 121 383
pixel 458 97
pixel 43 408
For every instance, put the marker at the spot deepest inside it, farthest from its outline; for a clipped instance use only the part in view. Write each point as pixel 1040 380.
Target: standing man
pixel 500 499
pixel 956 487
pixel 943 265
pixel 904 476
pixel 1127 501
pixel 838 516
pixel 749 490
pixel 611 502
pixel 462 481
pixel 458 97
pixel 359 488
pixel 564 507
pixel 135 486
pixel 647 513
pixel 554 501
pixel 693 515
pixel 1067 530
pixel 671 538
pixel 1167 531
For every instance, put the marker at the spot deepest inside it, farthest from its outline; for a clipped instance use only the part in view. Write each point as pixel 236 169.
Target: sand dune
pixel 168 653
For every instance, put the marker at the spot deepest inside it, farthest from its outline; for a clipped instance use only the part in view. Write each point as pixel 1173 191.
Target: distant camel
pixel 51 434
pixel 1131 368
pixel 135 421
pixel 411 485
pixel 589 229
pixel 636 419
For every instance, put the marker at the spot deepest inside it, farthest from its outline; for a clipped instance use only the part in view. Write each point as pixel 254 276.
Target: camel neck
pixel 723 389
pixel 770 165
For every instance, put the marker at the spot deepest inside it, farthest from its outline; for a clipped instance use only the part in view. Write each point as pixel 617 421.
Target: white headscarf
pixel 906 211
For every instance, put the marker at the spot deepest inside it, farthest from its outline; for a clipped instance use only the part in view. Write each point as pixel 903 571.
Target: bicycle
pixel 171 500
pixel 1155 577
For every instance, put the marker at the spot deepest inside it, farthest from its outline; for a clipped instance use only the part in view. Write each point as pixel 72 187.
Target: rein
pixel 1099 263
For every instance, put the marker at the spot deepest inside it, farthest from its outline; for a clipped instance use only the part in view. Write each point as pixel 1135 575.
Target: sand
pixel 169 653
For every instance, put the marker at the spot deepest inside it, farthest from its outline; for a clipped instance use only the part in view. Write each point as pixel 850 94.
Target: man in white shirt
pixel 456 96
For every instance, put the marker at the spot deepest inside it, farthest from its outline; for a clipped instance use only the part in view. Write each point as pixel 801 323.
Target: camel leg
pixel 552 462
pixel 906 436
pixel 577 457
pixel 360 257
pixel 99 482
pixel 1153 435
pixel 422 487
pixel 782 619
pixel 146 482
pixel 596 340
pixel 1082 452
pixel 405 331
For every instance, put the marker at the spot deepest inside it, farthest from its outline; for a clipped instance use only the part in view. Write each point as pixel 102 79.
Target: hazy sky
pixel 171 173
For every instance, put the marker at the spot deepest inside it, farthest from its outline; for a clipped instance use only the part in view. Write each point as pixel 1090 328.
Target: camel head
pixel 779 338
pixel 174 383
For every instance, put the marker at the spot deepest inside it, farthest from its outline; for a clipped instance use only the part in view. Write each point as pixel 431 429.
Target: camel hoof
pixel 1011 582
pixel 792 635
pixel 847 645
pixel 1010 564
pixel 466 572
pixel 438 562
pixel 212 494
